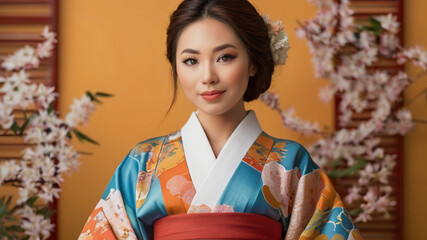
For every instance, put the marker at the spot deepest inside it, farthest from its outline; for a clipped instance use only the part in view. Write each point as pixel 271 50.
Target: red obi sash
pixel 217 226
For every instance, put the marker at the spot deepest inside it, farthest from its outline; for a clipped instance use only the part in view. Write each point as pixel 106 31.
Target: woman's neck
pixel 218 128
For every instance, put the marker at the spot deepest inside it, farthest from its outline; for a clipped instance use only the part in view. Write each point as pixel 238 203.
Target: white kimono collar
pixel 209 175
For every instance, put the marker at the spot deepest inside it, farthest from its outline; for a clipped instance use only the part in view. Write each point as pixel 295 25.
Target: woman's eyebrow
pixel 216 49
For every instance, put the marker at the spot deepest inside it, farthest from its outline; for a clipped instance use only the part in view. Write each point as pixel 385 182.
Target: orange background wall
pixel 119 47
pixel 415 165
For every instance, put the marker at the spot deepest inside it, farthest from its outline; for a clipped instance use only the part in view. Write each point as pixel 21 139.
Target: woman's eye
pixel 190 61
pixel 226 58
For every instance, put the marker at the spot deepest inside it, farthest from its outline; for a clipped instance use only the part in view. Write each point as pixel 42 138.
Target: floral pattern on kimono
pixel 275 178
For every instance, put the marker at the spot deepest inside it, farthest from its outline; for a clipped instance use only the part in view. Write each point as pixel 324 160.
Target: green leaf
pixel 90 95
pixel 30 202
pixel 2 210
pixel 102 94
pixel 339 173
pixel 50 109
pixel 355 212
pixel 69 136
pixel 97 100
pixel 15 127
pixel 27 121
pixel 12 218
pixel 376 25
pixel 15 228
pixel 82 137
pixel 46 212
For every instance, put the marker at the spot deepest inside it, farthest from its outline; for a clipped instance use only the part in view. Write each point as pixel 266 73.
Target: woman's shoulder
pixel 153 145
pixel 283 143
pixel 292 154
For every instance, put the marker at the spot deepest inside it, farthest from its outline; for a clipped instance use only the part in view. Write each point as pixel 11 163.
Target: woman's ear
pixel 252 70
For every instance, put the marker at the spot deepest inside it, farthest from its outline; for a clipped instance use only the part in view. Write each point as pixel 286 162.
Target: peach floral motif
pixel 142 187
pixel 116 215
pixel 222 208
pixel 304 206
pixel 86 236
pixel 179 185
pixel 279 186
pixel 101 221
pixel 200 209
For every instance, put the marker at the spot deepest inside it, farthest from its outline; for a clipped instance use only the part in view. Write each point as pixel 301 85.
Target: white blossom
pixel 389 23
pixel 8 170
pixel 326 93
pixel 80 111
pixel 44 96
pixel 270 99
pixel 36 226
pixel 6 116
pixel 22 58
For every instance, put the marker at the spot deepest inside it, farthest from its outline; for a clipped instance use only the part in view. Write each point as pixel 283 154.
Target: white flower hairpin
pixel 279 43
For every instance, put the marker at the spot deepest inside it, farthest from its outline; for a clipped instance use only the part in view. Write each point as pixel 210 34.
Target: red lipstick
pixel 211 95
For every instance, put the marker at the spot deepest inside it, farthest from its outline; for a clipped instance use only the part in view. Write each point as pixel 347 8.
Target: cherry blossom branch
pixel 346 54
pixel 419 121
pixel 48 152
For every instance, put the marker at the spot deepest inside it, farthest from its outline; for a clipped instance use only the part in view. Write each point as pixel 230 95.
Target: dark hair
pixel 244 20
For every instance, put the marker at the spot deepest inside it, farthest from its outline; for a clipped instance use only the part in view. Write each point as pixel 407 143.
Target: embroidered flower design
pixel 179 185
pixel 222 208
pixel 142 187
pixel 279 186
pixel 200 209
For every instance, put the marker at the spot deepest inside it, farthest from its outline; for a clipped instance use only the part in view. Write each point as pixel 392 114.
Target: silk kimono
pixel 254 173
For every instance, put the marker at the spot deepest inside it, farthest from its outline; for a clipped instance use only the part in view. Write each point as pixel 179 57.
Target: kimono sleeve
pixel 114 215
pixel 317 210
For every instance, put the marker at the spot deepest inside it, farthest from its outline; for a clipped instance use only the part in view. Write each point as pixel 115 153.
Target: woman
pixel 241 182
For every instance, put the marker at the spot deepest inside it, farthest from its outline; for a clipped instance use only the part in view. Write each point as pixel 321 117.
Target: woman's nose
pixel 209 74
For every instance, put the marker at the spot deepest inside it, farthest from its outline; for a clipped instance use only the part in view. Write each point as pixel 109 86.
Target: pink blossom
pixel 34 225
pixel 368 173
pixel 300 33
pixel 389 23
pixel 80 111
pixel 295 123
pixel 49 35
pixel 44 96
pixel 402 124
pixel 8 170
pixel 389 162
pixel 326 93
pixel 22 58
pixel 270 99
pixel 417 55
pixel 345 118
pixel 389 44
pixel 6 116
pixel 49 192
pixel 367 39
pixel 353 194
pixel 363 216
pixel 383 175
pixel 383 203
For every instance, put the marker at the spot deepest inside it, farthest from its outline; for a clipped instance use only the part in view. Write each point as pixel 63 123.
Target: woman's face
pixel 213 67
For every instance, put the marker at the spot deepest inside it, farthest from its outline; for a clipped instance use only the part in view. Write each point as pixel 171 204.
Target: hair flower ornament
pixel 279 43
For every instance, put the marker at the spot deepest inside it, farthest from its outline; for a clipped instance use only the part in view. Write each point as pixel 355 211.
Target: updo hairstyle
pixel 248 25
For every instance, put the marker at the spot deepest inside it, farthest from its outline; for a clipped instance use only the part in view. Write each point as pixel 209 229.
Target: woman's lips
pixel 211 95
